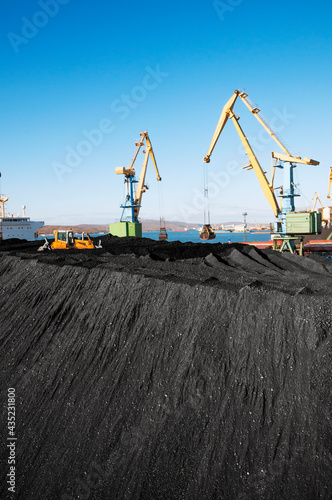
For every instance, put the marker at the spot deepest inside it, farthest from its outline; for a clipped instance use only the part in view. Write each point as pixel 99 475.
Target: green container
pixel 123 229
pixel 298 223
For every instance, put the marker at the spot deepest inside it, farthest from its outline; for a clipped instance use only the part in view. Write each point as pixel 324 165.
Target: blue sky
pixel 70 68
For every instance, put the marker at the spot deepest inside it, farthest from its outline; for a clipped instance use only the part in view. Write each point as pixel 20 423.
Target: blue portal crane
pixel 129 224
pixel 135 193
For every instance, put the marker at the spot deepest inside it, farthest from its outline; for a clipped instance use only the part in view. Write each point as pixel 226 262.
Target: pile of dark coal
pixel 158 370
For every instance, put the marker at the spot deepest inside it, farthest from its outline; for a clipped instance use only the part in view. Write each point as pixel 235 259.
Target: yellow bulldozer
pixel 65 240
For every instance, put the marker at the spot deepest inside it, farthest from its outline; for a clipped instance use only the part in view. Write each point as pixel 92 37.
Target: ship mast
pixel 3 199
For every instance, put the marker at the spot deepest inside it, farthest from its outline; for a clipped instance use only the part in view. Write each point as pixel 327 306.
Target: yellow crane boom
pixel 313 203
pixel 254 163
pixel 330 182
pixel 227 113
pixel 141 187
pixel 268 189
pixel 255 111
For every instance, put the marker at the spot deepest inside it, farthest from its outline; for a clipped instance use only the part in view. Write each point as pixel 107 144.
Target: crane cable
pixel 161 204
pixel 206 196
pixel 296 178
pixel 124 197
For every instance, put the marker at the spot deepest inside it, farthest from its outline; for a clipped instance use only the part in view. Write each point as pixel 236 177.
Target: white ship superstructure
pixel 17 226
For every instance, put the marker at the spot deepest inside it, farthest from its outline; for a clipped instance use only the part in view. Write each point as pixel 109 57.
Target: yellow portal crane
pixel 325 211
pixel 316 198
pixel 330 182
pixel 287 192
pixel 130 226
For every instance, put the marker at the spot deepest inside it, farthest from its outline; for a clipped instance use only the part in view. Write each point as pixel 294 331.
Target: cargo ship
pixel 260 231
pixel 17 226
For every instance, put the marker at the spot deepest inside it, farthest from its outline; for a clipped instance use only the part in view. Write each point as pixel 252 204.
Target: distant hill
pixel 78 228
pixel 154 225
pixel 148 225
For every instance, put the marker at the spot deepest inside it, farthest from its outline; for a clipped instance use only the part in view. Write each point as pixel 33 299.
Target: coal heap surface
pixel 156 370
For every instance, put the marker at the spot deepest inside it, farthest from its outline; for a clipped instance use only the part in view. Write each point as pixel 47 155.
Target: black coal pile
pixel 322 236
pixel 156 370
